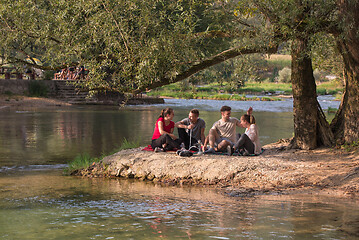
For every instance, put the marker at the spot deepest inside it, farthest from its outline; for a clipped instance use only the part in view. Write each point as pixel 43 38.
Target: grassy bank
pixel 224 91
pixel 83 161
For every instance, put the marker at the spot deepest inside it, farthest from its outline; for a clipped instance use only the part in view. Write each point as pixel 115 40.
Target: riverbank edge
pixel 22 102
pixel 278 170
pixel 262 98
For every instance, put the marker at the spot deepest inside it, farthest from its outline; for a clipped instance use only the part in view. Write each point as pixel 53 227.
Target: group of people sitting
pixel 222 137
pixel 71 73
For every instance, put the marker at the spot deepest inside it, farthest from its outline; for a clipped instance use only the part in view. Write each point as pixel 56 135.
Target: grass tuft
pixel 84 161
pixel 351 147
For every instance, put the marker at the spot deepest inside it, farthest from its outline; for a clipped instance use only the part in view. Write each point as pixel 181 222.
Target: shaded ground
pixel 277 170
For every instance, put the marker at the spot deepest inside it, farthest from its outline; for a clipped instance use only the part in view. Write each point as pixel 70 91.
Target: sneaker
pixel 230 150
pixel 193 149
pixel 179 151
pixel 158 149
pixel 210 150
pixel 245 153
pixel 186 153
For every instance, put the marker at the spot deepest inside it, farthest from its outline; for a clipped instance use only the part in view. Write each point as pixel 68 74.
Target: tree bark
pixel 311 129
pixel 346 124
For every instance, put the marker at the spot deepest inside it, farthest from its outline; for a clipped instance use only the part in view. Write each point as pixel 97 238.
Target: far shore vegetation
pixel 264 91
pixel 84 161
pixel 265 78
pixel 249 78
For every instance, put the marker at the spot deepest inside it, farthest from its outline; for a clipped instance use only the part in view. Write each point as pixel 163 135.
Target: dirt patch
pixel 276 171
pixel 25 103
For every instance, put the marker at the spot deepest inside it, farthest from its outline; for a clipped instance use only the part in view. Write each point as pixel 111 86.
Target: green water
pixel 46 205
pixel 58 135
pixel 38 202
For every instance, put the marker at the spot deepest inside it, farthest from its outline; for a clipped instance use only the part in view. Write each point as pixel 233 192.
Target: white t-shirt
pixel 252 133
pixel 227 129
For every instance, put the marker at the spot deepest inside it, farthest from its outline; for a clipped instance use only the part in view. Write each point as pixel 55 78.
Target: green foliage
pixel 352 147
pixel 325 54
pixel 83 161
pixel 125 44
pixel 132 44
pixel 284 75
pixel 37 89
pixel 235 73
pixel 212 92
pixel 330 88
pixel 279 63
pixel 332 110
pixel 129 144
pixel 266 99
pixel 285 88
pixel 49 74
pixel 274 75
pixel 9 93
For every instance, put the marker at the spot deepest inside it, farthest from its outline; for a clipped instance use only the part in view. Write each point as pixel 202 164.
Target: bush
pixel 37 89
pixel 284 75
pixel 49 74
pixel 8 93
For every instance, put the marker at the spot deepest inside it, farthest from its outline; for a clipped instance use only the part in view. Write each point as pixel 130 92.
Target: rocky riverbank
pixel 276 171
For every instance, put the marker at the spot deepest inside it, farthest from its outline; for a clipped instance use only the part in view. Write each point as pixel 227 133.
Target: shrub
pixel 8 93
pixel 284 75
pixel 49 74
pixel 37 89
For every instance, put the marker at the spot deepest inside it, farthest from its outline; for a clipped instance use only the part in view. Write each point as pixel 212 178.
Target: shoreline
pixel 16 102
pixel 260 98
pixel 277 170
pixel 20 102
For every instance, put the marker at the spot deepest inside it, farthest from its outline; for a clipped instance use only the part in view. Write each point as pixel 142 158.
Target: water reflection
pixel 51 137
pixel 46 205
pixel 37 202
pixel 57 136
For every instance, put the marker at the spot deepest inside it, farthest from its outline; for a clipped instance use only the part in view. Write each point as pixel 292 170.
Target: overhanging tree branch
pixel 195 68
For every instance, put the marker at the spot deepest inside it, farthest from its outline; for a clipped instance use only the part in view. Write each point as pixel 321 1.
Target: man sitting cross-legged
pixel 223 135
pixel 191 129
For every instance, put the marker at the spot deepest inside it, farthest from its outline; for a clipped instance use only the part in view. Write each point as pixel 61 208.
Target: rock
pixel 272 172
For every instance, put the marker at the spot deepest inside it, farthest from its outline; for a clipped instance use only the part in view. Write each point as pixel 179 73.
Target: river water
pixel 38 202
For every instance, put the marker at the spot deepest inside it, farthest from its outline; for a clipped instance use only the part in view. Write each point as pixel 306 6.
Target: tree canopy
pixel 131 46
pixel 127 45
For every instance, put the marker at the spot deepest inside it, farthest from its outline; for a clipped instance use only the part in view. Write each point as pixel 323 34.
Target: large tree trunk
pixel 346 124
pixel 310 126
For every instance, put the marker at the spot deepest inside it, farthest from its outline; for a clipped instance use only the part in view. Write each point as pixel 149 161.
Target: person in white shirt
pixel 248 142
pixel 222 135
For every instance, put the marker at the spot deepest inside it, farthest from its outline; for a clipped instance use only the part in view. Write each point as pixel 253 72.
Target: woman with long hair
pixel 163 138
pixel 248 142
